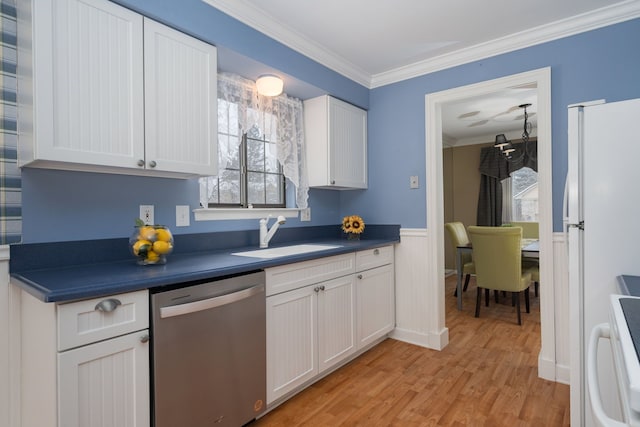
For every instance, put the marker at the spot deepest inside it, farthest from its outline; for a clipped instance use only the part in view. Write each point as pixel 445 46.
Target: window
pixel 250 174
pixel 520 196
pixel 260 143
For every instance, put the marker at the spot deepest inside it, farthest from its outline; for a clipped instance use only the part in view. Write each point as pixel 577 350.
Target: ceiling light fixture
pixel 269 85
pixel 506 147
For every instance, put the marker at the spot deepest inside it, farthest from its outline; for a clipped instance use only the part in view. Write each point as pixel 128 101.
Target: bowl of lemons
pixel 151 244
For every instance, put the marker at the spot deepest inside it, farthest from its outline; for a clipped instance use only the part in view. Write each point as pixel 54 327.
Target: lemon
pixel 163 235
pixel 152 256
pixel 147 233
pixel 140 247
pixel 162 247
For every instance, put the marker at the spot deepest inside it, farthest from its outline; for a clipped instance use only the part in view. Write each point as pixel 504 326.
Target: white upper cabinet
pixel 103 89
pixel 180 101
pixel 336 136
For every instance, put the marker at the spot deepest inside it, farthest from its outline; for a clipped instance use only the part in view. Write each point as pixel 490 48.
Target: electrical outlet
pixel 305 214
pixel 413 182
pixel 146 214
pixel 182 215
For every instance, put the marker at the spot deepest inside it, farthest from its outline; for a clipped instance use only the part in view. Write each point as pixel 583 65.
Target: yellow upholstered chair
pixel 497 255
pixel 458 235
pixel 529 229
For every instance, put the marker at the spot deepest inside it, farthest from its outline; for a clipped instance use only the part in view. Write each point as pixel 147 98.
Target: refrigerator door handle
pixel 599 331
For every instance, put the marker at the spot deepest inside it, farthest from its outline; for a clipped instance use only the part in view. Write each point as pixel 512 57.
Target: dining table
pixel 530 249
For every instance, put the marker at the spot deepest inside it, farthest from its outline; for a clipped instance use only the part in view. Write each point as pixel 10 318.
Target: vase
pixel 151 244
pixel 353 236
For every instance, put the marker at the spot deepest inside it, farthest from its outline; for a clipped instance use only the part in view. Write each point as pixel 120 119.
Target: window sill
pixel 213 214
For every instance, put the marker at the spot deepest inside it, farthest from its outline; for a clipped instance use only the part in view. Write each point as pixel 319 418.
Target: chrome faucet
pixel 265 235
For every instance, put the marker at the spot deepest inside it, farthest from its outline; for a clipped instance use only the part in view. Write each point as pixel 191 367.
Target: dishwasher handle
pixel 206 304
pixel 599 331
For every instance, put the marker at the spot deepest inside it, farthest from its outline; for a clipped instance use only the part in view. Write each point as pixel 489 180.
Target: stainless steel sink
pixel 285 251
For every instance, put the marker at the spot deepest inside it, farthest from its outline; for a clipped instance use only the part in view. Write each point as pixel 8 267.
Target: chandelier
pixel 506 147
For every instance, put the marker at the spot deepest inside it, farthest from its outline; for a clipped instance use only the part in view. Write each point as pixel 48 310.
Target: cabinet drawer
pixel 292 276
pixel 372 258
pixel 83 322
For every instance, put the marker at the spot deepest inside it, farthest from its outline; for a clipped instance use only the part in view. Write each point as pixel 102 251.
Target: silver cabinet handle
pixel 108 305
pixel 359 276
pixel 145 338
pixel 206 304
pixel 153 163
pixel 376 251
pixel 141 163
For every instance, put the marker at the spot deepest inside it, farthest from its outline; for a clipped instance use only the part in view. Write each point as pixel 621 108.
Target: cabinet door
pixel 336 320
pixel 105 384
pixel 376 305
pixel 181 113
pixel 347 145
pixel 291 341
pixel 89 106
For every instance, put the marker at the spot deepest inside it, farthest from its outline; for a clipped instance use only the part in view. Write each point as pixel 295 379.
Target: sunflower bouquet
pixel 353 225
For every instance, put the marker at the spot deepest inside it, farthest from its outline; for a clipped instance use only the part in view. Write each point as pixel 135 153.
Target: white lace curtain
pixel 281 115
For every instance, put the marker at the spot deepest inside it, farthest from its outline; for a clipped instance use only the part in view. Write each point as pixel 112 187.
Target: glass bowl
pixel 151 244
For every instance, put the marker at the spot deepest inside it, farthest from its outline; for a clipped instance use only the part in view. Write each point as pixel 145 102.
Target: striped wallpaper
pixel 10 184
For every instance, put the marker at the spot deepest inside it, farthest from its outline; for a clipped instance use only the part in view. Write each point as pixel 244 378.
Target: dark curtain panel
pixel 493 169
pixel 489 201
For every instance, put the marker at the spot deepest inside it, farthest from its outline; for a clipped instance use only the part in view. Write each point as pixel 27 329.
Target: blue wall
pixel 600 64
pixel 59 205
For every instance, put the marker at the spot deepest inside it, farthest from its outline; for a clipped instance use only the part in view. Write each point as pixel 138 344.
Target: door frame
pixel 435 199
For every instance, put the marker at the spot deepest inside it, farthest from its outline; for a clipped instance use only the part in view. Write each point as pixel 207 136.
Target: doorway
pixel 541 80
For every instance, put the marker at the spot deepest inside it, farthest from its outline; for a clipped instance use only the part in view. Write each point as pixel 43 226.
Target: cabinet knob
pixel 316 289
pixel 333 182
pixel 108 305
pixel 322 288
pixel 359 276
pixel 141 163
pixel 376 251
pixel 145 338
pixel 153 163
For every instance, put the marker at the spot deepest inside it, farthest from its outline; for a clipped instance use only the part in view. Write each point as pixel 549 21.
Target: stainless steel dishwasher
pixel 209 353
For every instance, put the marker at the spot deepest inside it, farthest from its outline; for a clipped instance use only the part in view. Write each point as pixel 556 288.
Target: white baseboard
pixel 432 341
pixel 563 374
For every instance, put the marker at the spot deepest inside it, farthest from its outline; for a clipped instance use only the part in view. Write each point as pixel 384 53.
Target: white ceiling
pixel 384 41
pixel 377 42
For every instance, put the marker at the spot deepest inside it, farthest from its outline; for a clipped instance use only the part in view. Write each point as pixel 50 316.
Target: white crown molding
pixel 599 18
pixel 266 24
pixel 257 19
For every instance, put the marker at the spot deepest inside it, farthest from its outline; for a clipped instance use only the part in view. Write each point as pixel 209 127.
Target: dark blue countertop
pixel 66 271
pixel 629 285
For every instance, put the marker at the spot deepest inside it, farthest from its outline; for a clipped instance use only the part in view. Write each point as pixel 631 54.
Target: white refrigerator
pixel 602 213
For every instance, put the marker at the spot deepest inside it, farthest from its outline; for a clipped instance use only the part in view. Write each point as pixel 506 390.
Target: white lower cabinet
pixel 309 330
pixel 376 306
pixel 86 363
pixel 336 321
pixel 321 312
pixel 106 383
pixel 292 337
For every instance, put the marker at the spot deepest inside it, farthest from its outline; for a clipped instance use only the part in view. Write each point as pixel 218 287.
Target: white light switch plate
pixel 182 216
pixel 413 182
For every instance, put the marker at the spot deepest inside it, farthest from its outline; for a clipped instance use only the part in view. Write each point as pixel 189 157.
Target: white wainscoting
pixel 420 320
pixel 9 346
pixel 419 315
pixel 561 282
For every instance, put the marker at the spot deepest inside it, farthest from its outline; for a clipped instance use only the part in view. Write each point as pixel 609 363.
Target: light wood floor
pixel 486 376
